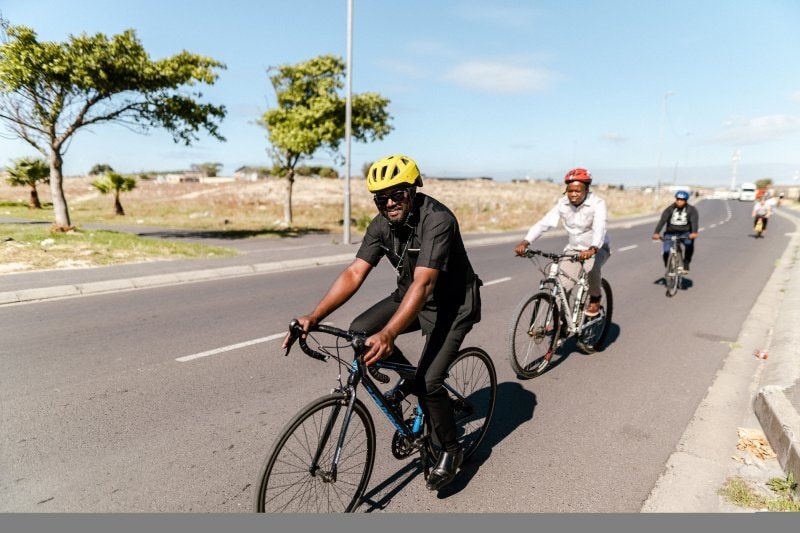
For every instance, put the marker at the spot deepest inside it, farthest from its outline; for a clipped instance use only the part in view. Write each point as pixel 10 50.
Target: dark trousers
pixel 441 348
pixel 688 247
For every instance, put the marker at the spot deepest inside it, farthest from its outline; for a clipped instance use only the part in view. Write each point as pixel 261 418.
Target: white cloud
pixel 502 78
pixel 431 49
pixel 613 137
pixel 489 13
pixel 796 97
pixel 743 131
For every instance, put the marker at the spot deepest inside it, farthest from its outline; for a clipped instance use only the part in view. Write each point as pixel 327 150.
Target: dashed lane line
pixel 245 344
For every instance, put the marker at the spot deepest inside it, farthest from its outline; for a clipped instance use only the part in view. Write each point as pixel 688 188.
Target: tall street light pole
pixel 735 159
pixel 661 144
pixel 348 115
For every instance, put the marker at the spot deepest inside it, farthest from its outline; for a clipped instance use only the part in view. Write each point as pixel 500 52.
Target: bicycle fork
pixel 329 476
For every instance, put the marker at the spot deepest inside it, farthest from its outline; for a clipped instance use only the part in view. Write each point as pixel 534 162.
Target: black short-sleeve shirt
pixel 431 238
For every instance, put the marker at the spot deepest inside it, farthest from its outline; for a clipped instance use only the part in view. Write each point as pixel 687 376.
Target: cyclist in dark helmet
pixel 437 292
pixel 585 216
pixel 680 219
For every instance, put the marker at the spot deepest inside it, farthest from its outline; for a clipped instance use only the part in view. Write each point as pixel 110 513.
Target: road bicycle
pixel 323 458
pixel 673 277
pixel 546 318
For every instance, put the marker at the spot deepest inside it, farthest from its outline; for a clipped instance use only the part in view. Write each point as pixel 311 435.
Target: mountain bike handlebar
pixel 357 340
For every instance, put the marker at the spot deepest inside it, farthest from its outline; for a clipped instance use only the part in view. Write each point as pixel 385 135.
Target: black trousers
pixel 441 348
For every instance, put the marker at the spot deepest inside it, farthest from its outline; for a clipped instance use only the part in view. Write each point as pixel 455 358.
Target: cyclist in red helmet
pixel 584 216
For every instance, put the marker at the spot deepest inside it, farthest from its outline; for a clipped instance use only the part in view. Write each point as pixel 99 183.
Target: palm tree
pixel 117 183
pixel 27 172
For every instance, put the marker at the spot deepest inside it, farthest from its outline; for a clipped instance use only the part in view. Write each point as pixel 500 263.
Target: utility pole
pixel 348 115
pixel 661 145
pixel 736 157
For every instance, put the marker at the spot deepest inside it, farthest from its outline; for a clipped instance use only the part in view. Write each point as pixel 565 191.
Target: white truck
pixel 747 192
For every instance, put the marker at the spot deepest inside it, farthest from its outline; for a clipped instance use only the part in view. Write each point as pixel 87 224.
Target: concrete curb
pixel 781 424
pixel 159 280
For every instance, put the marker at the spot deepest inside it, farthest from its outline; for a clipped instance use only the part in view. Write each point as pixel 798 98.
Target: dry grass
pixel 249 209
pixel 480 206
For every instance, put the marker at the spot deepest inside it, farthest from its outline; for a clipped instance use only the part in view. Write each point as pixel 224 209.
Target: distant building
pixel 247 173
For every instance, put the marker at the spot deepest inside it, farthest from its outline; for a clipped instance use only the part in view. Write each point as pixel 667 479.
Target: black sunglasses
pixel 396 196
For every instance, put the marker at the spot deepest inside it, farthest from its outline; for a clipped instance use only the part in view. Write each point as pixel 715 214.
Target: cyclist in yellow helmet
pixel 437 292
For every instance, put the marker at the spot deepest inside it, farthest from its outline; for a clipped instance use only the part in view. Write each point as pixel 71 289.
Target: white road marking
pixel 626 248
pixel 701 229
pixel 713 225
pixel 244 344
pixel 496 281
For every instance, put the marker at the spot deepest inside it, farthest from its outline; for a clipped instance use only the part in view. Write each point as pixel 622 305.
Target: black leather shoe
pixel 445 469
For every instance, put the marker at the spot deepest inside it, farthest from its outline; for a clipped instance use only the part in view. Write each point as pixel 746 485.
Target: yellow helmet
pixel 391 171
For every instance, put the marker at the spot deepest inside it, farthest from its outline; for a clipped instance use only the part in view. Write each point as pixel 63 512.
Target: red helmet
pixel 578 174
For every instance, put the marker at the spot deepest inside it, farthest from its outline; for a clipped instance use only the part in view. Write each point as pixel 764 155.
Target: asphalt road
pixel 99 415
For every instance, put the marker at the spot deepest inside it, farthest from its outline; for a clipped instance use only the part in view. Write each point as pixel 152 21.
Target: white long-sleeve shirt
pixel 585 224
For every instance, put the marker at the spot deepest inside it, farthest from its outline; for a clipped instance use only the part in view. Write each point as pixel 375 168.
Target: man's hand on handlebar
pixel 379 346
pixel 306 322
pixel 587 254
pixel 521 248
pixel 656 236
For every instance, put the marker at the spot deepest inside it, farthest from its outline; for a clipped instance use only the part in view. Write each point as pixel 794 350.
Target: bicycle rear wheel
pixel 472 383
pixel 673 276
pixel 595 329
pixel 533 335
pixel 293 482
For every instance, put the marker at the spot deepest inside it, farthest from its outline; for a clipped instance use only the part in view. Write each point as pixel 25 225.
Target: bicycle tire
pixel 673 277
pixel 534 328
pixel 287 482
pixel 472 375
pixel 592 339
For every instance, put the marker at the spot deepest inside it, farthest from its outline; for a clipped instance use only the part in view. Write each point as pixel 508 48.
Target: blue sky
pixel 504 88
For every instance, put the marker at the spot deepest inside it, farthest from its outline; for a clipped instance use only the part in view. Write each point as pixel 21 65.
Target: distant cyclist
pixel 681 219
pixel 585 217
pixel 436 292
pixel 761 211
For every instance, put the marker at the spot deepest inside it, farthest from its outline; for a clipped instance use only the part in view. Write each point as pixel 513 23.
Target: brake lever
pixel 294 334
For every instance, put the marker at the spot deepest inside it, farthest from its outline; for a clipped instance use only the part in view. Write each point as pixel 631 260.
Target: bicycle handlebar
pixel 555 257
pixel 357 340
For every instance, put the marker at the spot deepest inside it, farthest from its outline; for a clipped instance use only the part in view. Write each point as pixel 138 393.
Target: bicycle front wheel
pixel 673 276
pixel 297 476
pixel 595 329
pixel 472 384
pixel 533 335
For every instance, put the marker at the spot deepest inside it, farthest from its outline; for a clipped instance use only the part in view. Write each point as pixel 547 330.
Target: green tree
pixel 100 169
pixel 116 183
pixel 50 90
pixel 764 183
pixel 310 115
pixel 209 169
pixel 27 172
